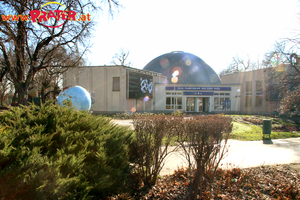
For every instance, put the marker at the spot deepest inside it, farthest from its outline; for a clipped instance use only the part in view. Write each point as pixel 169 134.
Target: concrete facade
pixel 190 98
pixel 252 77
pixel 99 81
pixel 197 98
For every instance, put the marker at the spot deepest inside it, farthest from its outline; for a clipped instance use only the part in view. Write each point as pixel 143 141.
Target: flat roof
pixel 143 71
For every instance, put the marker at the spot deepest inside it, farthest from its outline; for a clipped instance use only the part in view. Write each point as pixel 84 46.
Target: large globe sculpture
pixel 75 96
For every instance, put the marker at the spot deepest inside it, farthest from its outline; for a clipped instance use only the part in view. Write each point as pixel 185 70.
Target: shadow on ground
pixel 267 141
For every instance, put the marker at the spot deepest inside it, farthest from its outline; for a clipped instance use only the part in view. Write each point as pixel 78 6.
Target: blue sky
pixel 215 30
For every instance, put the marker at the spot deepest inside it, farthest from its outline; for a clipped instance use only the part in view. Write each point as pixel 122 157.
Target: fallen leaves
pixel 266 182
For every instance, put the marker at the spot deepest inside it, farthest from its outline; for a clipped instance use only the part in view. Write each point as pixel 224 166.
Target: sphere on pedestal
pixel 75 96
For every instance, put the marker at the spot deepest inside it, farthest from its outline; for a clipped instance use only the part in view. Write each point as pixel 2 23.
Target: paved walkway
pixel 245 154
pixel 242 154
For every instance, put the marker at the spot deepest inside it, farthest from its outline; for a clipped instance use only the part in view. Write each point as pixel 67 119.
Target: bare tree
pixel 240 65
pixel 47 83
pixel 121 58
pixel 47 80
pixel 29 47
pixel 284 76
pixel 5 90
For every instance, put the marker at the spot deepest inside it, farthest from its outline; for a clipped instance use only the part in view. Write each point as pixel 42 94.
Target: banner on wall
pixel 139 85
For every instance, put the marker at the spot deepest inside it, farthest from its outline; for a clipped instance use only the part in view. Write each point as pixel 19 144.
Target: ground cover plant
pixel 54 152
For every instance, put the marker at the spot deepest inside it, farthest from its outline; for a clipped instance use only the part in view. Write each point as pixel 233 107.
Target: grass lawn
pixel 247 132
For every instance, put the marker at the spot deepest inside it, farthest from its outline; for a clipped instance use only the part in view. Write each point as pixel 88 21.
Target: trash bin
pixel 267 128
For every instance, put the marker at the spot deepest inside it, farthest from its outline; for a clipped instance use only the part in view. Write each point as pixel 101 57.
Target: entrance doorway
pixel 206 104
pixel 200 104
pixel 197 104
pixel 190 104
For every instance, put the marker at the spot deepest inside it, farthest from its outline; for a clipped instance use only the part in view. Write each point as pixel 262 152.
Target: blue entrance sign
pixel 199 93
pixel 200 88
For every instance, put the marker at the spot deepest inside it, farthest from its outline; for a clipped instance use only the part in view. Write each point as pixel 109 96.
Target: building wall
pixel 99 79
pixel 251 76
pixel 161 95
pixel 130 105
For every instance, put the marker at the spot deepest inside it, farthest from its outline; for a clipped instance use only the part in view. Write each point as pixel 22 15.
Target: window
pixel 218 102
pixel 248 102
pixel 258 100
pixel 116 83
pixel 249 86
pixel 171 102
pixel 222 94
pixel 172 93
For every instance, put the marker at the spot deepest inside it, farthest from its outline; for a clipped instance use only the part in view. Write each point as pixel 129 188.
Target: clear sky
pixel 215 30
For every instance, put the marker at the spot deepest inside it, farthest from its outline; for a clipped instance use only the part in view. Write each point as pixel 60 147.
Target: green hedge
pixel 54 152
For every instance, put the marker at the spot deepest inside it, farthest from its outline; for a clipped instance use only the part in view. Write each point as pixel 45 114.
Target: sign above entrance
pixel 199 93
pixel 200 88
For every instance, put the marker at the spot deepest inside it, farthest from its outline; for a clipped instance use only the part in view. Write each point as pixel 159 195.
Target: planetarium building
pixel 172 81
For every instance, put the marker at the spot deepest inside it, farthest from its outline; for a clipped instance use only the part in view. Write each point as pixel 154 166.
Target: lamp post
pixel 238 96
pixel 175 80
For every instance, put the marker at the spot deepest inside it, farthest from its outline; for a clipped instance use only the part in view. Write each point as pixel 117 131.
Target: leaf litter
pixel 264 182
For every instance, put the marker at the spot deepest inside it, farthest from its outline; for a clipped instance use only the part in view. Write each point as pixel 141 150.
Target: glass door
pixel 190 104
pixel 200 105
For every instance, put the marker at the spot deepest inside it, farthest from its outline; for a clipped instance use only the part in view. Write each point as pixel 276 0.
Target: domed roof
pixel 192 69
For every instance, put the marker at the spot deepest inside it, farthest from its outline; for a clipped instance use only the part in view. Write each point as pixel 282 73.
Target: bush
pixel 153 136
pixel 203 140
pixel 179 113
pixel 54 152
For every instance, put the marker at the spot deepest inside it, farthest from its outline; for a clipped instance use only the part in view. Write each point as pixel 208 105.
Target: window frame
pixel 175 98
pixel 258 95
pixel 248 98
pixel 218 105
pixel 115 86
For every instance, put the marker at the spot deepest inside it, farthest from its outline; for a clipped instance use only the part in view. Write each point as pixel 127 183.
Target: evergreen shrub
pixel 54 152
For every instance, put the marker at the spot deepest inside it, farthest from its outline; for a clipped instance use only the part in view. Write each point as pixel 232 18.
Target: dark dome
pixel 192 69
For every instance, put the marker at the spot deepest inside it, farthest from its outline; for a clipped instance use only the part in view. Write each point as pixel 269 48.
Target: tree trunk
pixel 22 90
pixel 2 97
pixel 43 94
